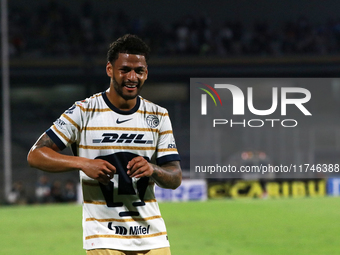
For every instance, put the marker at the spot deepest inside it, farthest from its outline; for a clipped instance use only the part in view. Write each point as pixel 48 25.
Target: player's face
pixel 128 74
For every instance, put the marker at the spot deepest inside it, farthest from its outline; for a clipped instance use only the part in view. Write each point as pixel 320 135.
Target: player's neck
pixel 119 102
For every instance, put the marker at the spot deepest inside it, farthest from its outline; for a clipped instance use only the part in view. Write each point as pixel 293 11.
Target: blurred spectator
pixel 56 192
pixel 43 190
pixel 17 194
pixel 70 192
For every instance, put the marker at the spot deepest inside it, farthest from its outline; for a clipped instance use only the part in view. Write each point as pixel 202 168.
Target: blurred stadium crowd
pixel 55 30
pixel 45 192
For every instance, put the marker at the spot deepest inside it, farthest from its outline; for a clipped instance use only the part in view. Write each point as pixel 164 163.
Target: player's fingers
pixel 103 178
pixel 105 165
pixel 110 170
pixel 140 172
pixel 134 167
pixel 134 161
pixel 111 167
pixel 139 162
pixel 106 173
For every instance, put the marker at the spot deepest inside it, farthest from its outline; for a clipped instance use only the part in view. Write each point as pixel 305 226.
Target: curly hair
pixel 130 44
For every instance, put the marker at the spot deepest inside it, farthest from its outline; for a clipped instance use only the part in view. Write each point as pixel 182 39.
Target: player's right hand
pixel 99 169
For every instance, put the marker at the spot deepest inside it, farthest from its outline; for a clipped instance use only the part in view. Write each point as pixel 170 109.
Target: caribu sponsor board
pixel 189 190
pixel 267 188
pixel 276 188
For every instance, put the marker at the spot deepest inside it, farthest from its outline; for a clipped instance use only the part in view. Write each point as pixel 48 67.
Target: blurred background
pixel 57 52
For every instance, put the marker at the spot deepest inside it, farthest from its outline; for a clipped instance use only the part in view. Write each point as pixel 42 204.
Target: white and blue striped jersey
pixel 123 215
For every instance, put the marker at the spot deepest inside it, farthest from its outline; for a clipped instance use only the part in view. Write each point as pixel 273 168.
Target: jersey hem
pixel 124 248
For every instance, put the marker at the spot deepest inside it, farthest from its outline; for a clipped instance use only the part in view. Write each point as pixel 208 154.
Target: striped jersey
pixel 123 215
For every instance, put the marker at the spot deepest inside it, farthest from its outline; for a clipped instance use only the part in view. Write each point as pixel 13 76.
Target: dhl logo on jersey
pixel 122 138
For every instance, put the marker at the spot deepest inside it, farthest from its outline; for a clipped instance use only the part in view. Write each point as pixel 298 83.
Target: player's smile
pixel 131 86
pixel 126 90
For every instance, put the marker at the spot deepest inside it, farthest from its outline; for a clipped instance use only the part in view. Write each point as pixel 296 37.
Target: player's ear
pixel 146 73
pixel 109 69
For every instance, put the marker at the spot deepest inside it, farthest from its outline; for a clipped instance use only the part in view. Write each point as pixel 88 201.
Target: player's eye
pixel 140 71
pixel 125 70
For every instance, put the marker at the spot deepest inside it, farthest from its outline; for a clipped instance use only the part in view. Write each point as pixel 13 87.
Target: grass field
pixel 247 227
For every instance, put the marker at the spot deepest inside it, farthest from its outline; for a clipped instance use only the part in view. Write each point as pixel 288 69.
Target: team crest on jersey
pixel 152 121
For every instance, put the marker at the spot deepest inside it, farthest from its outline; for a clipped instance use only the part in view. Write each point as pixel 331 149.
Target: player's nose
pixel 132 76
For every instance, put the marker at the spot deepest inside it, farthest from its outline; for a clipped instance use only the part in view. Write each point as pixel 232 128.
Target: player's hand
pixel 99 169
pixel 139 167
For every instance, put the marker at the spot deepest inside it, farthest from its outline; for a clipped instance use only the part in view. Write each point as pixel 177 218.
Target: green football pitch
pixel 245 226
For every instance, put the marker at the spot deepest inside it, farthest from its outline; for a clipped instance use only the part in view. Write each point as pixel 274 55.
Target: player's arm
pixel 45 156
pixel 168 175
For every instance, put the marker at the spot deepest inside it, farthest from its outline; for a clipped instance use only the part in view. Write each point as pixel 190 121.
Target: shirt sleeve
pixel 166 146
pixel 66 129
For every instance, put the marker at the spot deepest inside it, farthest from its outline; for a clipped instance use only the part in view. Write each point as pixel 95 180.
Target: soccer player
pixel 113 136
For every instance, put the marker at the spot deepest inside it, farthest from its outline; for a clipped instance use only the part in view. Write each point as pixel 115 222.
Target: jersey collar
pixel 115 109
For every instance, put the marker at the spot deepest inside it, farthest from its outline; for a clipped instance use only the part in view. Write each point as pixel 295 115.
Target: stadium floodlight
pixel 6 99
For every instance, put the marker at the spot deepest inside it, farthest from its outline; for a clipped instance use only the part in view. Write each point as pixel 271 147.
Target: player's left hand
pixel 139 167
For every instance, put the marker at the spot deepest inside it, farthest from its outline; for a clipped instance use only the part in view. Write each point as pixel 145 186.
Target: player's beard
pixel 119 89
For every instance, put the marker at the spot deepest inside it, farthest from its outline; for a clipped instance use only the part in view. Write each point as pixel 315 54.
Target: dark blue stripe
pixel 55 139
pixel 167 158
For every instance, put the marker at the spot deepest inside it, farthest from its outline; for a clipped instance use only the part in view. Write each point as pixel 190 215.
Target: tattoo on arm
pixel 45 141
pixel 168 175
